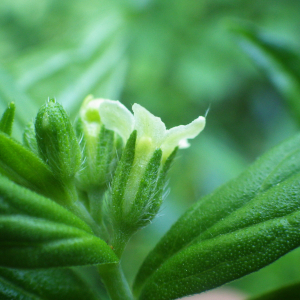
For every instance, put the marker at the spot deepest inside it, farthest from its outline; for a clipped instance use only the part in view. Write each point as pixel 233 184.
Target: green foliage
pixel 48 284
pixel 17 200
pixel 28 242
pixel 217 234
pixel 38 233
pixel 280 62
pixel 26 168
pixel 7 119
pixel 175 59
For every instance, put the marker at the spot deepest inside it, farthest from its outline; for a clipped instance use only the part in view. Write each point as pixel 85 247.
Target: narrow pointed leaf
pixel 17 200
pixel 280 62
pixel 26 168
pixel 58 284
pixel 271 183
pixel 9 92
pixel 27 242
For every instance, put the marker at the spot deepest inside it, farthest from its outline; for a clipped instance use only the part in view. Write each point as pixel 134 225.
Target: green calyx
pixel 29 138
pixel 127 215
pixel 100 157
pixel 56 140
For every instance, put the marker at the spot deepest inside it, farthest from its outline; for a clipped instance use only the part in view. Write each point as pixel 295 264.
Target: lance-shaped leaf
pixel 59 284
pixel 6 122
pixel 234 206
pixel 35 232
pixel 28 242
pixel 280 62
pixel 211 263
pixel 17 200
pixel 24 167
pixel 287 292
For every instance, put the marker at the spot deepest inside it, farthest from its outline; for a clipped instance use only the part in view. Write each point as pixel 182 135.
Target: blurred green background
pixel 176 58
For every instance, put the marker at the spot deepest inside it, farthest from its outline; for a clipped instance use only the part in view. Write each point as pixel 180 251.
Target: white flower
pixel 151 131
pixel 137 192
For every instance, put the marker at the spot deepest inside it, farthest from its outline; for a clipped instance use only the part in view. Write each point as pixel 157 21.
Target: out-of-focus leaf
pixel 26 168
pixel 94 39
pixel 10 92
pixel 288 292
pixel 280 62
pixel 59 284
pixel 7 120
pixel 266 191
pixel 72 96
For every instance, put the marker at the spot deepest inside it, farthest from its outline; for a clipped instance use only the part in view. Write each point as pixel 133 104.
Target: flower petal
pixel 148 126
pixel 177 136
pixel 115 116
pixel 89 113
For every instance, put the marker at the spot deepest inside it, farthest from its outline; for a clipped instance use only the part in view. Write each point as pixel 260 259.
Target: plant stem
pixel 119 241
pixel 115 282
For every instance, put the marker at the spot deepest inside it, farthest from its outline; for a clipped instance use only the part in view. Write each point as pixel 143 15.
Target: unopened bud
pixel 57 141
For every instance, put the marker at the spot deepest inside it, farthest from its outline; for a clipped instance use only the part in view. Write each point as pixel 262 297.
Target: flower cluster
pixel 140 182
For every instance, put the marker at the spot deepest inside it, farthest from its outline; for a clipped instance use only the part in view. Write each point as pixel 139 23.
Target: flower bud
pixel 99 146
pixel 132 207
pixel 139 181
pixel 57 142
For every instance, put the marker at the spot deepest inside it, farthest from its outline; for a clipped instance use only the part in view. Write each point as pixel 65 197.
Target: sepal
pixel 29 138
pixel 134 201
pixel 7 119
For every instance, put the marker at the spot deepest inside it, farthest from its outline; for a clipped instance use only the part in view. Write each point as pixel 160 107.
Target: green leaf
pixel 9 92
pixel 7 119
pixel 26 168
pixel 72 96
pixel 59 284
pixel 17 200
pixel 28 242
pixel 280 62
pixel 265 191
pixel 35 232
pixel 213 262
pixel 288 292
